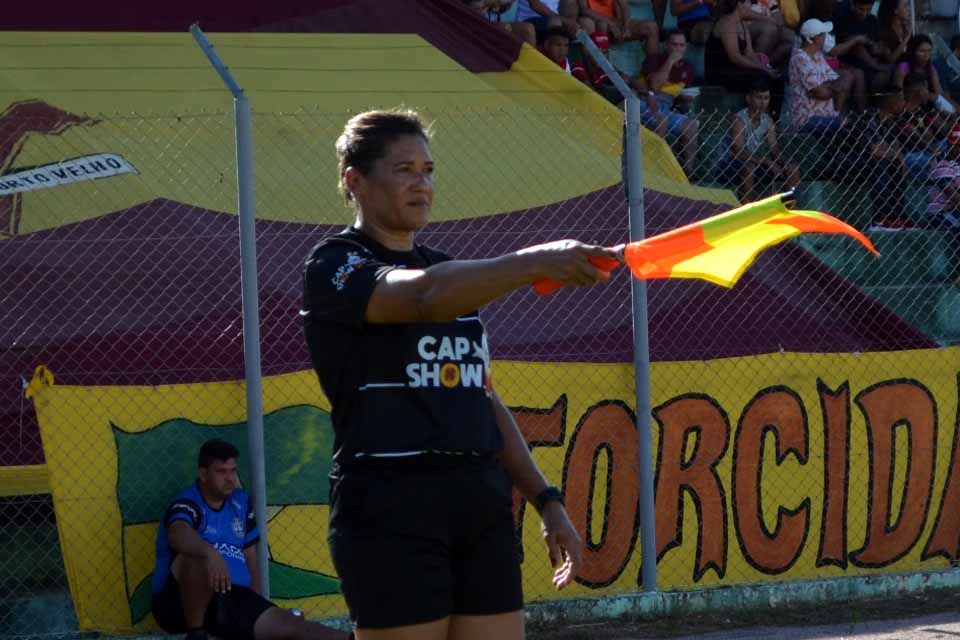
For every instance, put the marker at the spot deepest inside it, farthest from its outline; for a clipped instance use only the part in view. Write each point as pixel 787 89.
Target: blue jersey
pixel 230 529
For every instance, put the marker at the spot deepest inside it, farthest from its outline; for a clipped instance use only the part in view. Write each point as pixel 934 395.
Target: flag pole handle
pixel 607 265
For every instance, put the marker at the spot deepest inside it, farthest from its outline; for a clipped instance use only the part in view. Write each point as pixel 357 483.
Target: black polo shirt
pixel 396 389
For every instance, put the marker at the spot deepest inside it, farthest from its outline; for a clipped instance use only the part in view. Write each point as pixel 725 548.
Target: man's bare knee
pixel 277 624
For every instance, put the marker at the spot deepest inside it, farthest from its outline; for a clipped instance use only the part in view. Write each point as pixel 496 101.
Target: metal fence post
pixel 638 289
pixel 251 305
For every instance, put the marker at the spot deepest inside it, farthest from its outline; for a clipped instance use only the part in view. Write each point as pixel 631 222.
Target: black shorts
pixel 413 545
pixel 230 616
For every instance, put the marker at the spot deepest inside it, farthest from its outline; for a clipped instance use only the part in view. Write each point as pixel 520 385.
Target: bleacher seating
pixel 912 276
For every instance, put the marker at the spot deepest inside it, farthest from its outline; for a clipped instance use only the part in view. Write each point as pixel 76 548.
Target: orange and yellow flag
pixel 720 248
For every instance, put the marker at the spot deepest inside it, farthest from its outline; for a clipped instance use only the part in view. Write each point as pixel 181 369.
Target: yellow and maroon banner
pixel 810 466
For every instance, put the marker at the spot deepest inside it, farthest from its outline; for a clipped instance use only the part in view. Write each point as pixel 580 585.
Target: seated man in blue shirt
pixel 206 578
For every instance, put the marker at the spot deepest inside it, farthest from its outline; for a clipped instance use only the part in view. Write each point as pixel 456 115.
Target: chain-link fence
pixel 803 420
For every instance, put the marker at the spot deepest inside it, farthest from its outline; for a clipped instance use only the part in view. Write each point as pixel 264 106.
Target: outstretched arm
pixel 447 290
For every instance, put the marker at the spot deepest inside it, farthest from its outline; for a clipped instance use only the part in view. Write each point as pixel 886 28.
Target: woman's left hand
pixel 563 543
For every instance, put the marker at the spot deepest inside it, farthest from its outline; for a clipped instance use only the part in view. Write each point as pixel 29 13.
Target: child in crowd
pixel 755 155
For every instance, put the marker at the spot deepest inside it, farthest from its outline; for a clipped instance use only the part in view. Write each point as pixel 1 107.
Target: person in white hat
pixel 818 94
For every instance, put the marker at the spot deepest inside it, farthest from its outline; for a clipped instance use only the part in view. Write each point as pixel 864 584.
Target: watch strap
pixel 549 494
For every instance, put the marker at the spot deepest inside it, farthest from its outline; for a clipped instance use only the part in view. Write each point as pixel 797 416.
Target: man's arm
pixel 184 539
pixel 250 557
pixel 862 52
pixel 563 542
pixel 806 75
pixel 541 8
pixel 821 92
pixel 621 12
pixel 844 47
pixel 737 142
pixel 660 77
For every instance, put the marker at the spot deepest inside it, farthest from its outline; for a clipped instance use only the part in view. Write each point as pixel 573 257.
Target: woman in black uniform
pixel 421 529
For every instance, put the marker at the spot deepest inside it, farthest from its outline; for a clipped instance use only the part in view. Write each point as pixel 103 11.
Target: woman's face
pixel 922 54
pixel 903 10
pixel 397 194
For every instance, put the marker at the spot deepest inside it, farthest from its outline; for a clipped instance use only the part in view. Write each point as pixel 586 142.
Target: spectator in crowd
pixel 806 9
pixel 833 52
pixel 681 130
pixel 947 62
pixel 556 47
pixel 594 76
pixel 893 16
pixel 492 10
pixel 205 579
pixel 918 126
pixel 612 17
pixel 769 33
pixel 665 84
pixel 546 14
pixel 855 19
pixel 694 18
pixel 730 60
pixel 944 209
pixel 755 155
pixel 660 110
pixel 668 74
pixel 818 94
pixel 917 59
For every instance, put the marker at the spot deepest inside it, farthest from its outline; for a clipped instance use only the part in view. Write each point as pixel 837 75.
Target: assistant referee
pixel 425 454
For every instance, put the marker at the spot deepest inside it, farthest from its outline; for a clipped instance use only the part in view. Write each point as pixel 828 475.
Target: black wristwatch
pixel 547 495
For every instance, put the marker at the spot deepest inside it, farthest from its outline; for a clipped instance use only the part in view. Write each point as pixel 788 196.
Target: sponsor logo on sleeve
pixel 354 262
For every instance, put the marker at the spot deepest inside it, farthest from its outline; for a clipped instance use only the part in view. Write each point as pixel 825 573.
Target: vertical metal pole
pixel 641 343
pixel 251 304
pixel 641 351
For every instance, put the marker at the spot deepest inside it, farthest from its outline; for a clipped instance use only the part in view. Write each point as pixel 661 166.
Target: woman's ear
pixel 351 180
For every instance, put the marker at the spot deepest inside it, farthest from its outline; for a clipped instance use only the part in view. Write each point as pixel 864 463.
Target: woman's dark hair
pixel 367 135
pixel 886 11
pixel 216 449
pixel 913 44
